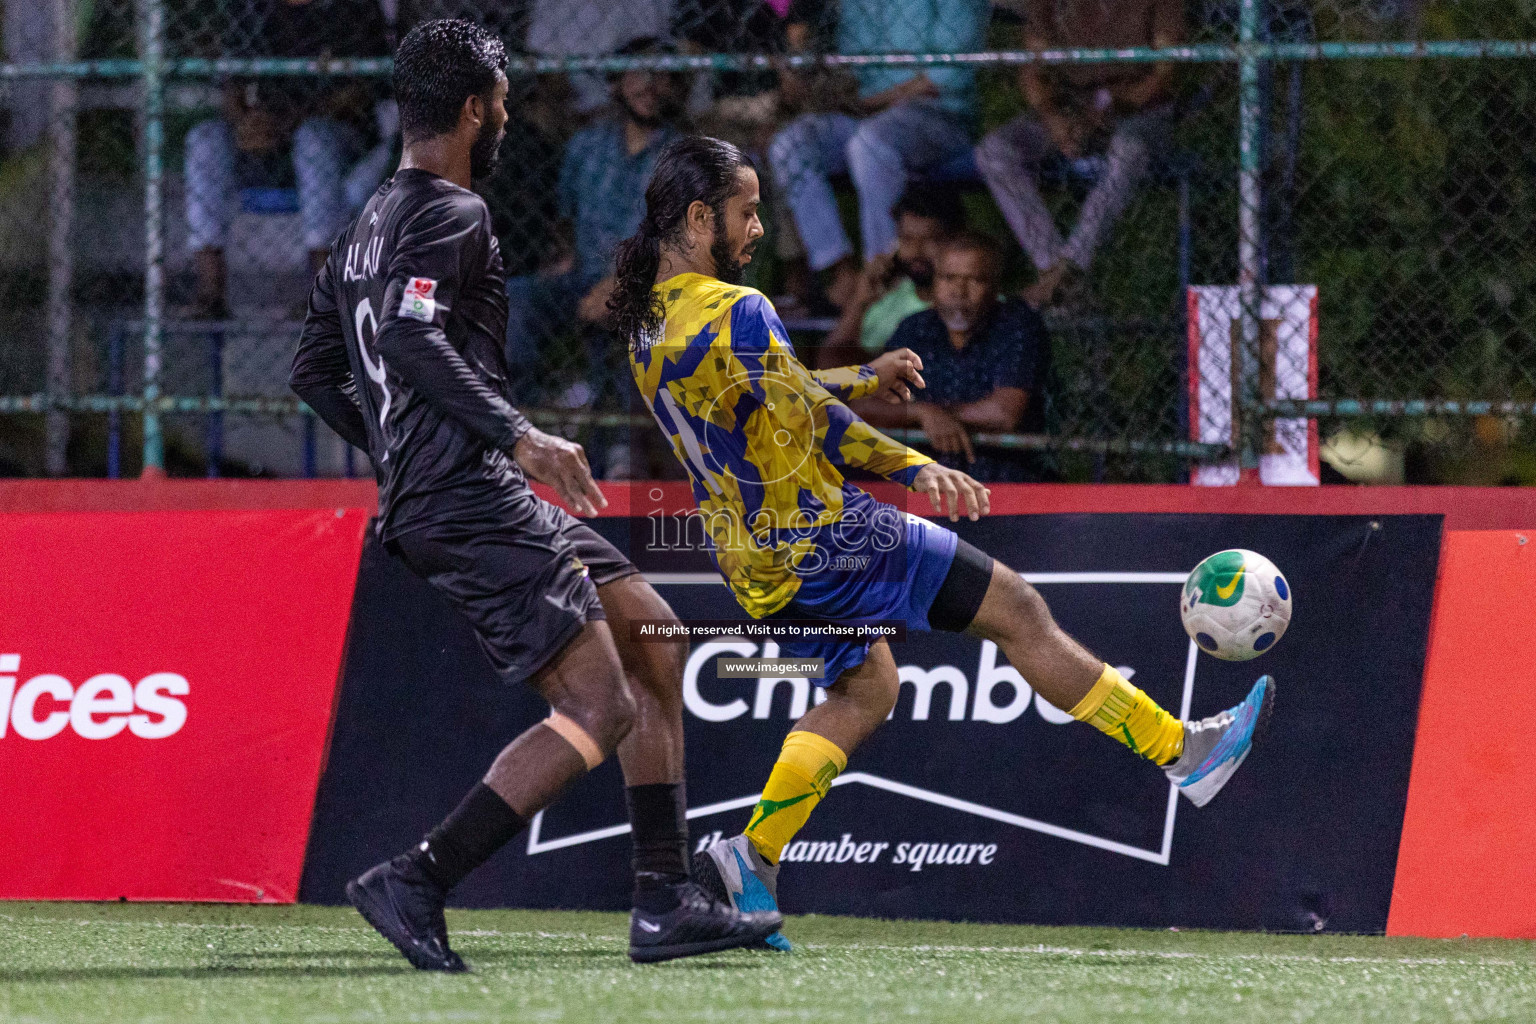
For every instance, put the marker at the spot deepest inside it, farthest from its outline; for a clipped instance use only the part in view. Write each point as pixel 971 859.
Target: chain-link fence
pixel 1158 172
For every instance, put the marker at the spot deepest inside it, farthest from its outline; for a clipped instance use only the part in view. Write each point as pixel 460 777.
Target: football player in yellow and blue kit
pixel 765 442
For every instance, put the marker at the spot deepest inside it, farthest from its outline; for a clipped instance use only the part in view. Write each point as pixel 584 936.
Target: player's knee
pixel 657 680
pixel 882 702
pixel 602 707
pixel 873 698
pixel 654 666
pixel 615 715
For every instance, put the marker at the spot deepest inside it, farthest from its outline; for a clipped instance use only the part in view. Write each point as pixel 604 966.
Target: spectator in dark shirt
pixel 985 361
pixel 281 131
pixel 1106 118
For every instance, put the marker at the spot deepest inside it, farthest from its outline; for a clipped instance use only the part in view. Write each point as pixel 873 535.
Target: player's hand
pixel 946 434
pixel 562 465
pixel 899 373
pixel 952 492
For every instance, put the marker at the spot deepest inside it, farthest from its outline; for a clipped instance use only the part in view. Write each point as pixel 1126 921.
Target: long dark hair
pixel 692 169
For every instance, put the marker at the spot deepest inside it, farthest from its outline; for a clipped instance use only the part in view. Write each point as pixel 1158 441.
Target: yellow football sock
pixel 1118 709
pixel 804 772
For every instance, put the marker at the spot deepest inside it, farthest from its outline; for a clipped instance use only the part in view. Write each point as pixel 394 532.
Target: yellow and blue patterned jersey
pixel 762 437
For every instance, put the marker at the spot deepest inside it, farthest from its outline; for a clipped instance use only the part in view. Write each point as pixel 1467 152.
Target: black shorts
pixel 527 582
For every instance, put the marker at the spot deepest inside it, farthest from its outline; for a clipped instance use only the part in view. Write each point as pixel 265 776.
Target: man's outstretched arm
pixel 890 377
pixel 847 440
pixel 761 345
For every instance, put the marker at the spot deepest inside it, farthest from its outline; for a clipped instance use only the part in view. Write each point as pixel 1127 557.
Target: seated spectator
pixel 601 194
pixel 893 287
pixel 282 131
pixel 906 123
pixel 1120 111
pixel 986 362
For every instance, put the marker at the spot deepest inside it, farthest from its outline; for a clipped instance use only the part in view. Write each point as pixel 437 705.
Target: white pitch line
pixel 1173 789
pixel 1006 817
pixel 1106 577
pixel 536 845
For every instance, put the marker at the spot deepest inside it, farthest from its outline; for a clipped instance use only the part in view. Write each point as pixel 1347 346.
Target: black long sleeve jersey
pixel 402 353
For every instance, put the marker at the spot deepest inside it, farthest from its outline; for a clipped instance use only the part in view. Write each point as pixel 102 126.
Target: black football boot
pixel 699 924
pixel 406 907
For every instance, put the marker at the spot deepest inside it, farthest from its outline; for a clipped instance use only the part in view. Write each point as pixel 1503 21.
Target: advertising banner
pixel 976 800
pixel 166 683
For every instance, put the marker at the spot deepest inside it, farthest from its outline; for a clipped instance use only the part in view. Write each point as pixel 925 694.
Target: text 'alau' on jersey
pixel 401 353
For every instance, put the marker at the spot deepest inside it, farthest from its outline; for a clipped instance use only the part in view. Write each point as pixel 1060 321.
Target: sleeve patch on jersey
pixel 418 302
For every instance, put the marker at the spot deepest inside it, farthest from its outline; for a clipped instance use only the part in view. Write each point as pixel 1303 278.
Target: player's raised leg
pixel 745 868
pixel 1200 756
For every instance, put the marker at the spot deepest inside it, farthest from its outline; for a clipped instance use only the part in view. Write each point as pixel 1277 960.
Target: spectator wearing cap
pixel 893 287
pixel 907 122
pixel 1119 111
pixel 986 362
pixel 276 132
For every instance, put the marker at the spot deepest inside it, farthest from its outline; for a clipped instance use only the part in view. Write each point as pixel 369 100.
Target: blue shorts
pixel 861 582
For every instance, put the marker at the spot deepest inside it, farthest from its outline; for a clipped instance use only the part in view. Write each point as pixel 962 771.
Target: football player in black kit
pixel 402 355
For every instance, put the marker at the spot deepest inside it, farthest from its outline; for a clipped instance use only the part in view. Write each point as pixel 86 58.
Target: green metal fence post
pixel 1249 250
pixel 152 16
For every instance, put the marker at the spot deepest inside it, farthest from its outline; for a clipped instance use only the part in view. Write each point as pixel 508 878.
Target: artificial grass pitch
pixel 227 964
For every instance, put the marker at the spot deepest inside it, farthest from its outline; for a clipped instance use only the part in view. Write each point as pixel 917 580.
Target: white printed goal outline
pixel 1161 856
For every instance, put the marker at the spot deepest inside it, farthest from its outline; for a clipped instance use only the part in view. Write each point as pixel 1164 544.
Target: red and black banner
pixel 178 719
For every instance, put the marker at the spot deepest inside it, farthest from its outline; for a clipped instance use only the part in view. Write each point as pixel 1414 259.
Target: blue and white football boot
pixel 1214 747
pixel 733 871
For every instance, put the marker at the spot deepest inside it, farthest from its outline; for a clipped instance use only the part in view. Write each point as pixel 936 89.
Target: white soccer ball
pixel 1236 605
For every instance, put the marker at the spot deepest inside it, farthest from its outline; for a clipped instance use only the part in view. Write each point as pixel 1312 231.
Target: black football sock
pixel 482 824
pixel 658 818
